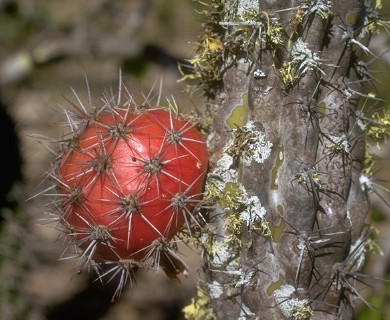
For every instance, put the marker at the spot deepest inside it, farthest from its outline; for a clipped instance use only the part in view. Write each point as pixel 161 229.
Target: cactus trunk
pixel 288 73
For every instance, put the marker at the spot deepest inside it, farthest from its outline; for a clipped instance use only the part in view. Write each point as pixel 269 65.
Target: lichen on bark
pixel 290 69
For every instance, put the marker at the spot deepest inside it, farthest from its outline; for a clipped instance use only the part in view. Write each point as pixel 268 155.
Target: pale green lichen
pixel 220 253
pixel 243 210
pixel 245 6
pixel 216 251
pixel 250 144
pixel 310 177
pixel 339 144
pixel 229 36
pixel 321 8
pixel 298 309
pixel 253 211
pixel 244 278
pixel 215 290
pixel 304 59
pixel 224 172
pixel 240 211
pixel 365 183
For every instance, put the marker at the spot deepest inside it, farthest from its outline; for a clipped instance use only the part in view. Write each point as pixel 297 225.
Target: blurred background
pixel 47 48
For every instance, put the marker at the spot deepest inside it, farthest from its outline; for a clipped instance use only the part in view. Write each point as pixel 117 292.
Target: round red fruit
pixel 128 179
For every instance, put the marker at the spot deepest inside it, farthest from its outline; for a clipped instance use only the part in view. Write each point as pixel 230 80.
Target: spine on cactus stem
pixel 129 181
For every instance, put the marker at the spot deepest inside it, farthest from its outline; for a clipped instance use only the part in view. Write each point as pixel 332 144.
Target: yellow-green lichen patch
pixel 291 306
pixel 275 285
pixel 200 308
pixel 368 163
pixel 229 196
pixel 302 60
pixel 278 230
pixel 249 144
pixel 301 312
pixel 241 210
pixel 239 115
pixel 338 144
pixel 230 35
pixel 278 163
pixel 288 74
pixel 322 8
pixel 232 194
pixel 321 109
pixel 379 128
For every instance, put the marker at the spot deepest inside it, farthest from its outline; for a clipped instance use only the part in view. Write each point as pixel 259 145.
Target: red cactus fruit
pixel 128 179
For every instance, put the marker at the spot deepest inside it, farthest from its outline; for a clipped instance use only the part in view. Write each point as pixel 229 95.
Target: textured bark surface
pixel 309 185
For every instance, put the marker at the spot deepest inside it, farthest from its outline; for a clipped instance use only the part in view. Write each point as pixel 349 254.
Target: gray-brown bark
pixel 309 184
